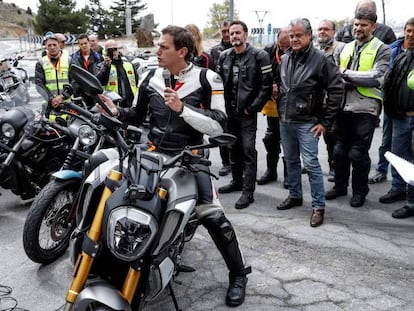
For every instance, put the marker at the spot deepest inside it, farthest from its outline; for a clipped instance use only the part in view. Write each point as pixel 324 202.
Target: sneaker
pixel 225 170
pixel 244 201
pixel 377 178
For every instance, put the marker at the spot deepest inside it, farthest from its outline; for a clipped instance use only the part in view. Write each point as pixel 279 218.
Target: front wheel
pixel 50 221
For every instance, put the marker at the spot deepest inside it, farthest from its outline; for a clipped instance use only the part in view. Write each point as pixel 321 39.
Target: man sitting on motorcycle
pixel 184 102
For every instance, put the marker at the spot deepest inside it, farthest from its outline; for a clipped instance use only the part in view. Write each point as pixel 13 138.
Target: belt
pixel 409 113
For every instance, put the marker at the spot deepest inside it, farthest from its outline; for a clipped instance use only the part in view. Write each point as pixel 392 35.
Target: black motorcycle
pixel 31 148
pixel 14 84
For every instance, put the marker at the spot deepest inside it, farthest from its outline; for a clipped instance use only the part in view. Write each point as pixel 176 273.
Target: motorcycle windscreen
pixel 87 81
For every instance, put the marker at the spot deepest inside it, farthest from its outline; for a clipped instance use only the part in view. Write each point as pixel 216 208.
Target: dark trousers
pixel 355 132
pixel 243 153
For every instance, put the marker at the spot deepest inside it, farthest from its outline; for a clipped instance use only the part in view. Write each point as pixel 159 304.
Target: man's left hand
pixel 318 130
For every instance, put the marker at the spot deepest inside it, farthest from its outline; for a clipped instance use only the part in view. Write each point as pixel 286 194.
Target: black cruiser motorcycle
pixel 135 213
pixel 31 148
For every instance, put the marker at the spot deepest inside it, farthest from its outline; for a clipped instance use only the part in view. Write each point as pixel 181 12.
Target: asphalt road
pixel 360 259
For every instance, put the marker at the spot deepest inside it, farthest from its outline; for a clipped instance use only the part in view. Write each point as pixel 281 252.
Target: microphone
pixel 167 78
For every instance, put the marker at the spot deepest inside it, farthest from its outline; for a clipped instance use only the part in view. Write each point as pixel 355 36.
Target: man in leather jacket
pixel 306 74
pixel 179 115
pixel 247 75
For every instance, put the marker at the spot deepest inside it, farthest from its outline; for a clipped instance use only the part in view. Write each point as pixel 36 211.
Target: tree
pixel 217 14
pixel 118 15
pixel 98 18
pixel 60 16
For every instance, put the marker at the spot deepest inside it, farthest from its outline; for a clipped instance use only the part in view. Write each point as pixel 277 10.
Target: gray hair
pixel 302 21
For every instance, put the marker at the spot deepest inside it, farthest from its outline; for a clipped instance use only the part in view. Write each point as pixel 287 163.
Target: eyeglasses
pixel 112 49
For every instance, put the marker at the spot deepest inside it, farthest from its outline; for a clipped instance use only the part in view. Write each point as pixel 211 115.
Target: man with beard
pixel 363 63
pixel 247 77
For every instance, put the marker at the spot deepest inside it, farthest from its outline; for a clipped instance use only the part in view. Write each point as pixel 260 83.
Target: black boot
pixel 285 177
pixel 224 237
pixel 271 172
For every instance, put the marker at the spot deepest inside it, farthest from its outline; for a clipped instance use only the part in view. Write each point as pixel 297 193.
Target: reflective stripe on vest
pixel 56 77
pixel 366 62
pixel 410 80
pixel 113 78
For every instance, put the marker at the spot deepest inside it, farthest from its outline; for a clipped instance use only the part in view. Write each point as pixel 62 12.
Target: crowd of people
pixel 307 87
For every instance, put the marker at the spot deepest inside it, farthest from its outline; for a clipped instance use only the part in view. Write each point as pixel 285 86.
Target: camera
pixel 110 53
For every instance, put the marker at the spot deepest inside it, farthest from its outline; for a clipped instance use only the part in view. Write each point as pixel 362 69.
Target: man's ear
pixel 183 52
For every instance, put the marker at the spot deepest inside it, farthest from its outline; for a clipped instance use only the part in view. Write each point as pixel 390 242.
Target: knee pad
pixel 219 226
pixel 355 154
pixel 340 150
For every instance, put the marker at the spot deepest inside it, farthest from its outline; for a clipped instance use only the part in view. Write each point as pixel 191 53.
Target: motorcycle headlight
pixel 8 130
pixel 87 135
pixel 130 232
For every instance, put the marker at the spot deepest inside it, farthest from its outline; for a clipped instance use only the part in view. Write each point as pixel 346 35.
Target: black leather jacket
pixel 255 79
pixel 304 79
pixel 201 91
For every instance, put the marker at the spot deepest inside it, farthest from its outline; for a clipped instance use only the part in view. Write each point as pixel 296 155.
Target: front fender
pixel 67 174
pixel 102 292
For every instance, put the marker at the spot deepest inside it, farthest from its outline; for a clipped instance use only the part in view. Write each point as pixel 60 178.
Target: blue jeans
pixel 402 136
pixel 297 139
pixel 382 165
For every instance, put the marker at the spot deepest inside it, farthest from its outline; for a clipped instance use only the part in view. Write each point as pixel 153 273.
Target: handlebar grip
pixel 81 111
pixel 205 162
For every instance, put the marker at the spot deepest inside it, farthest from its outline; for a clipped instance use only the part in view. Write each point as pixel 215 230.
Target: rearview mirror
pixel 87 81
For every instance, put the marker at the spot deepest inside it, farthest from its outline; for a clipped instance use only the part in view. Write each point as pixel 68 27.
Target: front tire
pixel 50 221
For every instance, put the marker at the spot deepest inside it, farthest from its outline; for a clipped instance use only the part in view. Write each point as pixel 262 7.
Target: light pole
pixel 260 19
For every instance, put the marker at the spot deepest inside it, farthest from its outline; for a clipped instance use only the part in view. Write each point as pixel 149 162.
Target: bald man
pixel 117 74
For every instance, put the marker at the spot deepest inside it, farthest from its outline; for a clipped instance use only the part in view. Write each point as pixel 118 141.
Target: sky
pixel 182 12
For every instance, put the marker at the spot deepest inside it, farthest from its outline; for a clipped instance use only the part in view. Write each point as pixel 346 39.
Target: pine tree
pixel 60 16
pixel 118 15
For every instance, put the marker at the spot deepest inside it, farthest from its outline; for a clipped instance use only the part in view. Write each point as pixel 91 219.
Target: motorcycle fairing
pixel 100 291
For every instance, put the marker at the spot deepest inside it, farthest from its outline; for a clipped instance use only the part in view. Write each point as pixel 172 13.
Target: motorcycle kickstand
pixel 174 299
